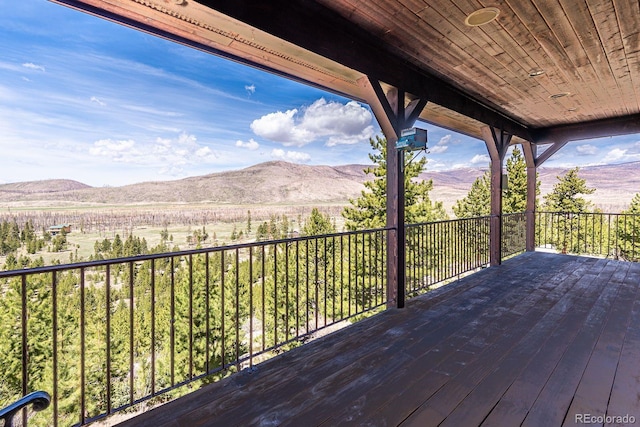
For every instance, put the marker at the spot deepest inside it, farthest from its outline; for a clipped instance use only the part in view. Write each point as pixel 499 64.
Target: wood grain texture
pixel 478 75
pixel 530 342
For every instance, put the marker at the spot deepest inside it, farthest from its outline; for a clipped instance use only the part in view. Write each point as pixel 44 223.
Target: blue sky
pixel 86 99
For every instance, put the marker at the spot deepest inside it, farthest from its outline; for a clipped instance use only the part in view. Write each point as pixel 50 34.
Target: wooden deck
pixel 534 342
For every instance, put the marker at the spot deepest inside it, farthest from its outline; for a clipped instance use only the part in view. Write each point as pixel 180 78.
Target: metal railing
pixel 103 336
pixel 39 400
pixel 444 250
pixel 514 234
pixel 600 234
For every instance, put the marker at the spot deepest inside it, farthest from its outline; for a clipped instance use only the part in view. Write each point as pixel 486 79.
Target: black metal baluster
pixel 83 406
pixel 223 344
pixel 275 295
pixel 131 320
pixel 172 330
pixel 349 268
pixel 54 322
pixel 207 316
pixel 190 316
pixel 153 326
pixel 333 280
pixel 286 285
pixel 316 281
pixel 324 267
pixel 250 306
pixel 25 348
pixel 237 304
pixel 297 289
pixel 342 277
pixel 264 317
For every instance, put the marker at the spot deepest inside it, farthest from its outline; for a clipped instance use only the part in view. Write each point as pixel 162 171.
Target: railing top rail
pixel 587 213
pixel 148 257
pixel 39 399
pixel 444 221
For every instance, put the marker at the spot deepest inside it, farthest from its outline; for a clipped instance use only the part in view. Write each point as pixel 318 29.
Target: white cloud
pixel 124 151
pixel 438 149
pixel 586 149
pixel 168 154
pixel 290 156
pixel 171 171
pixel 204 152
pixel 251 89
pixel 251 145
pixel 152 111
pixel 281 127
pixel 444 140
pixel 480 159
pixel 337 123
pixel 343 124
pixel 33 66
pixel 614 155
pixel 98 101
pixel 457 166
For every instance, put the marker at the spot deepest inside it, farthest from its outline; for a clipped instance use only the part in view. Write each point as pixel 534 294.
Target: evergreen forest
pixel 133 322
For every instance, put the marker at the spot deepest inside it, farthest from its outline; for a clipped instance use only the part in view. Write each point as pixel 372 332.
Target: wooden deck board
pixel 531 342
pixel 545 340
pixel 516 402
pixel 594 389
pixel 625 394
pixel 520 340
pixel 552 404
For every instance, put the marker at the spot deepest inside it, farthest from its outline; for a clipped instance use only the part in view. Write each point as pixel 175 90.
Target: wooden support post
pixel 392 115
pixel 497 143
pixel 402 231
pixel 529 150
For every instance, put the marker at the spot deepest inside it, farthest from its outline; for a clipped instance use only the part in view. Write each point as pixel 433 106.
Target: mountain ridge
pixel 280 182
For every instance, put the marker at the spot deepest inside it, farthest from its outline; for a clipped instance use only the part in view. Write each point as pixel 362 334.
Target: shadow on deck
pixel 542 340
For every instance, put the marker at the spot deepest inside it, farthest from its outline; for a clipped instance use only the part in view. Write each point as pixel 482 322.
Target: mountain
pixel 47 186
pixel 285 183
pixel 266 183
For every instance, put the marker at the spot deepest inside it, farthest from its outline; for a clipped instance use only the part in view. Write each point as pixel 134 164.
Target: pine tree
pixel 565 201
pixel 477 202
pixel 318 224
pixel 628 231
pixel 565 196
pixel 369 210
pixel 514 199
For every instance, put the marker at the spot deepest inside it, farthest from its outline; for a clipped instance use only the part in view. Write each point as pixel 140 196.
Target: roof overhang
pixel 323 46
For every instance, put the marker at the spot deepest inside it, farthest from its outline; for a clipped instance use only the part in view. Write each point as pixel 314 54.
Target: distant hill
pixel 47 186
pixel 275 182
pixel 280 182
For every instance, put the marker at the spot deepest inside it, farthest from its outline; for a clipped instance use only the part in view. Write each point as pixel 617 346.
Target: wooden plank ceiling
pixel 543 69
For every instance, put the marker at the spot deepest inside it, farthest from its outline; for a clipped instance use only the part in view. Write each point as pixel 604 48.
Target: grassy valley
pixel 226 203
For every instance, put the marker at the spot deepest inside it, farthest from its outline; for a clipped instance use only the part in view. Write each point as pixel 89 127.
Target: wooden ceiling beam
pixel 119 16
pixel 550 151
pixel 559 136
pixel 323 31
pixel 617 126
